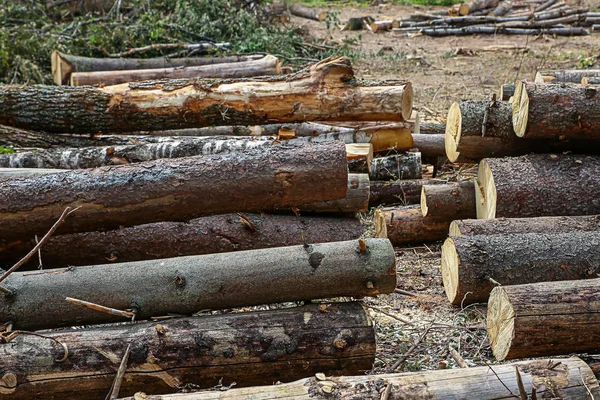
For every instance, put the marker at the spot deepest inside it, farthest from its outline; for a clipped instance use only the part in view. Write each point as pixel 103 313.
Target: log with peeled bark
pixel 268 65
pixel 449 202
pixel 511 226
pixel 322 92
pixel 399 166
pixel 564 378
pixel 174 190
pixel 206 235
pixel 507 91
pixel 556 111
pixel 542 319
pixel 186 285
pixel 356 199
pixel 538 185
pixel 300 10
pixel 65 64
pixel 408 225
pixel 250 348
pixel 405 192
pixel 430 145
pixel 570 75
pixel 12 173
pixel 473 265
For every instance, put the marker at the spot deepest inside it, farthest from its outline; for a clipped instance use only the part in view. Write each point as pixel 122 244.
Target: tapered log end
pixel 520 108
pixel 464 9
pixel 454 230
pixel 453 132
pixel 407 101
pixel 450 263
pixel 424 208
pixel 500 323
pixel 485 192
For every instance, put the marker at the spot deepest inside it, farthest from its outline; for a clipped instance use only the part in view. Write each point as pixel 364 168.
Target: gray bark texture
pixel 570 75
pixel 185 285
pixel 12 173
pixel 399 166
pixel 405 192
pixel 511 226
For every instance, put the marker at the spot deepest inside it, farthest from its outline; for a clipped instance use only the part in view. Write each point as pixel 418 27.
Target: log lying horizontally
pixel 449 202
pixel 473 265
pixel 510 226
pixel 430 145
pixel 356 199
pixel 506 91
pixel 322 92
pixel 405 192
pixel 253 348
pixel 399 166
pixel 538 185
pixel 280 176
pixel 300 10
pixel 268 65
pixel 12 173
pixel 573 75
pixel 565 378
pixel 542 319
pixel 408 225
pixel 185 285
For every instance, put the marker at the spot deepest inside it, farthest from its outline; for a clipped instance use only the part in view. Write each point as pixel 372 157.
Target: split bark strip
pixel 252 348
pixel 404 192
pixel 98 307
pixel 449 202
pixel 468 262
pixel 284 176
pixel 399 166
pixel 116 386
pixel 556 111
pixel 519 317
pixel 322 92
pixel 563 378
pixel 268 65
pixel 300 10
pixel 572 76
pixel 538 185
pixel 511 226
pixel 185 285
pixel 407 225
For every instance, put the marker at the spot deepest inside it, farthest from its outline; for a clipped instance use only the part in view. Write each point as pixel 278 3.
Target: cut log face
pixel 542 319
pixel 252 348
pixel 185 285
pixel 449 202
pixel 407 225
pixel 473 265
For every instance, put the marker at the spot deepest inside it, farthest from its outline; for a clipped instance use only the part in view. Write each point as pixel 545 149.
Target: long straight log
pixel 538 185
pixel 541 319
pixel 12 173
pixel 565 378
pixel 280 176
pixel 473 265
pixel 300 10
pixel 252 348
pixel 492 30
pixel 322 92
pixel 186 285
pixel 399 166
pixel 356 199
pixel 449 202
pixel 510 226
pixel 430 145
pixel 408 225
pixel 405 192
pixel 572 75
pixel 268 65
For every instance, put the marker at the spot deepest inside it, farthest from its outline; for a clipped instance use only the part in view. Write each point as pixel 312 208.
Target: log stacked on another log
pixel 407 224
pixel 399 166
pixel 449 202
pixel 404 192
pixel 572 75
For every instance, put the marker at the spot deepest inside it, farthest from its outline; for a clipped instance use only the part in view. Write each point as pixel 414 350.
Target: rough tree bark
pixel 300 10
pixel 399 166
pixel 405 192
pixel 174 190
pixel 430 145
pixel 541 319
pixel 356 199
pixel 538 185
pixel 408 225
pixel 253 348
pixel 322 92
pixel 449 202
pixel 572 75
pixel 468 262
pixel 186 285
pixel 12 173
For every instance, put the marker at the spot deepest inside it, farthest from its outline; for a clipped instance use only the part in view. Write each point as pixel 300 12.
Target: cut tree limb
pixel 174 190
pixel 300 10
pixel 404 192
pixel 570 75
pixel 186 285
pixel 541 319
pixel 449 202
pixel 430 145
pixel 493 30
pixel 472 6
pixel 407 225
pixel 252 348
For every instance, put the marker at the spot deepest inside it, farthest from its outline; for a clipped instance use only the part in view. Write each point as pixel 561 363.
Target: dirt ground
pixel 415 332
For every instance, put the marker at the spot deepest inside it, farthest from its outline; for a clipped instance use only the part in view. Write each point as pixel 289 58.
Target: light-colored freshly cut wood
pixel 268 65
pixel 359 156
pixel 384 25
pixel 564 378
pixel 251 348
pixel 542 319
pixel 408 225
pixel 570 75
pixel 472 6
pixel 449 202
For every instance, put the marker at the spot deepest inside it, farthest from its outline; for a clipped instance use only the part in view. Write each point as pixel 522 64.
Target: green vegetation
pixel 6 150
pixel 365 3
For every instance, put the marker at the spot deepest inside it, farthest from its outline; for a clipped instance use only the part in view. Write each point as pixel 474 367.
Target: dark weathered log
pixel 449 202
pixel 356 199
pixel 174 190
pixel 432 128
pixel 562 21
pixel 430 145
pixel 322 92
pixel 565 378
pixel 64 64
pixel 473 265
pixel 300 10
pixel 542 319
pixel 573 76
pixel 404 192
pixel 185 285
pixel 399 166
pixel 268 65
pixel 20 138
pixel 485 29
pixel 557 111
pixel 206 235
pixel 252 348
pixel 507 91
pixel 408 225
pixel 538 185
pixel 511 226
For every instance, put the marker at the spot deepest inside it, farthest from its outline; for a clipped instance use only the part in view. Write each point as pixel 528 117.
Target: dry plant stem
pixel 116 386
pixel 409 351
pixel 458 358
pixel 98 307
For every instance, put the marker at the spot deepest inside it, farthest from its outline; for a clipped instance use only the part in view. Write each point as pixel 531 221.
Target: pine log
pixel 493 30
pixel 360 157
pixel 564 378
pixel 590 81
pixel 356 199
pixel 449 202
pixel 507 91
pixel 399 166
pixel 404 192
pixel 471 265
pixel 502 8
pixel 538 185
pixel 541 319
pixel 545 5
pixel 251 348
pixel 268 65
pixel 300 10
pixel 572 75
pixel 12 173
pixel 556 111
pixel 472 6
pixel 65 64
pixel 280 176
pixel 379 26
pixel 408 225
pixel 430 145
pixel 511 226
pixel 321 92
